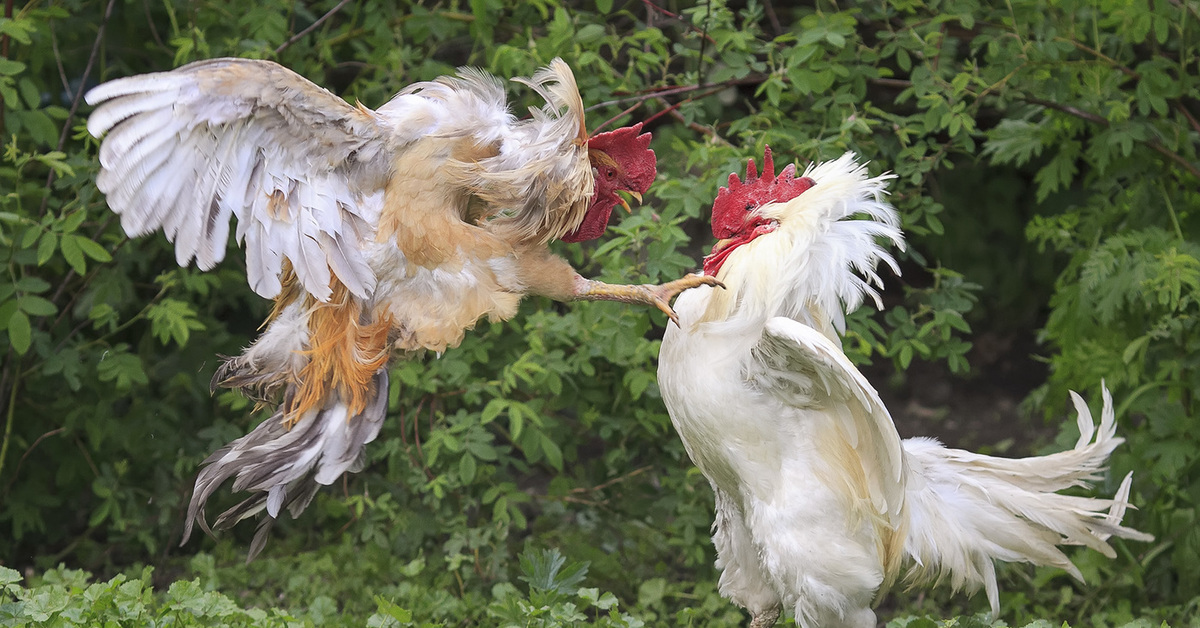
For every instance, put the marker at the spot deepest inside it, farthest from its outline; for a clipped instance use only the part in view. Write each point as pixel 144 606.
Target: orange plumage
pixel 376 232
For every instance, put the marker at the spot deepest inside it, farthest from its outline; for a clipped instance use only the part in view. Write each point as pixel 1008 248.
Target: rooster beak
pixel 625 203
pixel 721 244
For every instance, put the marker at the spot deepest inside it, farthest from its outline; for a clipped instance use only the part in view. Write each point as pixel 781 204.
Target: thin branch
pixel 29 450
pixel 673 111
pixel 8 13
pixel 609 121
pixel 675 16
pixel 83 79
pixel 311 27
pixel 1100 55
pixel 618 479
pixel 1091 117
pixel 1068 109
pixel 10 412
pixel 153 29
pixel 1175 157
pixel 1187 114
pixel 769 9
pixel 62 71
pixel 671 91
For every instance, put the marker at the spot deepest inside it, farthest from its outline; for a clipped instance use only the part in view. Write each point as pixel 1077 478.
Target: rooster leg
pixel 765 619
pixel 645 294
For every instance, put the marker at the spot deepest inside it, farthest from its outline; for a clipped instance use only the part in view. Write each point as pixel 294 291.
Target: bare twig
pixel 62 72
pixel 1068 109
pixel 604 485
pixel 28 450
pixel 769 9
pixel 609 121
pixel 672 91
pixel 153 29
pixel 1187 114
pixel 8 13
pixel 311 27
pixel 10 406
pixel 709 132
pixel 83 79
pixel 675 16
pixel 1091 117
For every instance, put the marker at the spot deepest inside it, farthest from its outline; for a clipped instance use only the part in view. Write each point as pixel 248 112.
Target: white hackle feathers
pixel 824 253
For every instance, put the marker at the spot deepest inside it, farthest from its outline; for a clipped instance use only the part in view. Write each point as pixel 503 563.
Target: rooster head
pixel 622 161
pixel 735 216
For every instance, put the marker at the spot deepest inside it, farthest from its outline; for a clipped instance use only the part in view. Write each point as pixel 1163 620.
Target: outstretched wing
pixel 805 369
pixel 301 169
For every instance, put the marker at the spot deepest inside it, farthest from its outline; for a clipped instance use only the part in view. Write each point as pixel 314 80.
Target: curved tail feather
pixel 968 510
pixel 283 467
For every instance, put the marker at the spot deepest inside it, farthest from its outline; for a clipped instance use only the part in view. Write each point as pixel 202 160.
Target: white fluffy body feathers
pixel 820 504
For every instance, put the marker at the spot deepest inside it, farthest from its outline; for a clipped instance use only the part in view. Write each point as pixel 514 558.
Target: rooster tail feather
pixel 284 467
pixel 968 510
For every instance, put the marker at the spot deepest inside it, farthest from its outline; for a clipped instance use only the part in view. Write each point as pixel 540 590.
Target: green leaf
pixel 36 306
pixel 92 249
pixel 73 254
pixel 46 248
pixel 20 333
pixel 9 67
pixel 396 612
pixel 466 468
pixel 552 452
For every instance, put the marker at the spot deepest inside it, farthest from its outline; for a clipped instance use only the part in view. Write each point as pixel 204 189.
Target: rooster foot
pixel 663 294
pixel 645 294
pixel 765 619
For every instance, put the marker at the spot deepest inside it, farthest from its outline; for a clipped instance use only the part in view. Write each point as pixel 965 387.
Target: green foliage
pixel 1048 176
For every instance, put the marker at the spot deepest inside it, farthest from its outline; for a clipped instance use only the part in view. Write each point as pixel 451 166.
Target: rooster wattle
pixel 375 232
pixel 819 503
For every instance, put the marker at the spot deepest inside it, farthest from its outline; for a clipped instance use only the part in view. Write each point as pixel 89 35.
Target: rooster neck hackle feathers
pixel 819 263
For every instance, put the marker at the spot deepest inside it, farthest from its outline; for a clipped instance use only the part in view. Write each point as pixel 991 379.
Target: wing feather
pixel 185 150
pixel 802 362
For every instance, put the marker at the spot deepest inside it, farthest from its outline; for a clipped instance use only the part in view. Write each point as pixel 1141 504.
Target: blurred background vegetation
pixel 1050 187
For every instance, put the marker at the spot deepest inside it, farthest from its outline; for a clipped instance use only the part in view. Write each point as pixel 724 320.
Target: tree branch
pixel 671 91
pixel 8 13
pixel 1091 117
pixel 311 27
pixel 83 78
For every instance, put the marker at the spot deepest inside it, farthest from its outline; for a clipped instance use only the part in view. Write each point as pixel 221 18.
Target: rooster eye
pixel 610 173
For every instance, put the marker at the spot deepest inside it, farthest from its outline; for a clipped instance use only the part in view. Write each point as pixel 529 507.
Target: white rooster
pixel 819 503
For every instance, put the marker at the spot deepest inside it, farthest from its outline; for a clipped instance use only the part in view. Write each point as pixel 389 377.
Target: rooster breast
pixel 784 524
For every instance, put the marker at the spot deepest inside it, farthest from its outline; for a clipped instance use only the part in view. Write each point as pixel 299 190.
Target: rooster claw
pixel 664 293
pixel 657 295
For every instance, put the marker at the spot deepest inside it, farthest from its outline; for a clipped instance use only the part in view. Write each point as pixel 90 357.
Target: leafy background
pixel 1049 183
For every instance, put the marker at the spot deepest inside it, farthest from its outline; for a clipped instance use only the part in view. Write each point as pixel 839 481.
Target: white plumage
pixel 819 503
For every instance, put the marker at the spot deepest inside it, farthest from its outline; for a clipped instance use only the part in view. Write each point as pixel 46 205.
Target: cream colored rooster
pixel 819 504
pixel 375 232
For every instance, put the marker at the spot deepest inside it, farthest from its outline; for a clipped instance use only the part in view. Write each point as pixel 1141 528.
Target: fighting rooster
pixel 375 232
pixel 819 502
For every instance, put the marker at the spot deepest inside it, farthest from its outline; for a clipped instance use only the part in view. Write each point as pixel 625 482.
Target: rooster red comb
pixel 624 161
pixel 625 139
pixel 734 219
pixel 733 203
